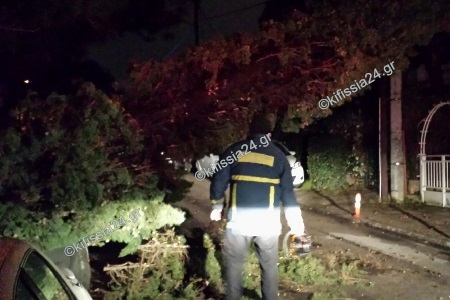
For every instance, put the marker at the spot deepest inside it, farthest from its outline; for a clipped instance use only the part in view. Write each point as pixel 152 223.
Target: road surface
pixel 398 268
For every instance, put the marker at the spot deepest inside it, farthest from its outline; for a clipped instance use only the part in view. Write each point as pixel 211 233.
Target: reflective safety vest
pixel 260 178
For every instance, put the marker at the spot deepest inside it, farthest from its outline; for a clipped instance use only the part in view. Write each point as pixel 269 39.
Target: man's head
pixel 260 125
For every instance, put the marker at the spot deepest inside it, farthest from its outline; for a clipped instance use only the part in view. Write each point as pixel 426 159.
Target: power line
pixel 186 36
pixel 179 44
pixel 207 20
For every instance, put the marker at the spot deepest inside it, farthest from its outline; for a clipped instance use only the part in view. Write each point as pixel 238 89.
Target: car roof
pixel 11 261
pixel 282 147
pixel 12 248
pixel 12 252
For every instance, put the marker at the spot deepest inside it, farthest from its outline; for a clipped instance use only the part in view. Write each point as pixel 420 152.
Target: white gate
pixel 435 180
pixel 434 170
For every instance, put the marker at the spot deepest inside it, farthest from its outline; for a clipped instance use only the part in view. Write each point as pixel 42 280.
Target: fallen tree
pixel 71 166
pixel 203 99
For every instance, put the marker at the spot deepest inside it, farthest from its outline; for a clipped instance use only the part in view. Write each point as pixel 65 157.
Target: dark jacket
pixel 261 182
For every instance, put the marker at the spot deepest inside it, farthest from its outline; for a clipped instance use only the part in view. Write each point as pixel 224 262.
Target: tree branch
pixel 267 56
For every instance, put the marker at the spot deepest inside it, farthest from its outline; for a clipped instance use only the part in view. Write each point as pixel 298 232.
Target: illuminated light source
pixel 357 213
pixel 26 81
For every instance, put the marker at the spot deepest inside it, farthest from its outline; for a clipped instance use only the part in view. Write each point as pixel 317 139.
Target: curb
pixel 416 237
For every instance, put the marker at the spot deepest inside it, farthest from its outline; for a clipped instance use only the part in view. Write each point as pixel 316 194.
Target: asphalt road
pixel 424 256
pixel 404 269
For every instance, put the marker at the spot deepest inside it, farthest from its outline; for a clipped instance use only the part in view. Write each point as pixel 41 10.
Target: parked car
pixel 177 165
pixel 28 274
pixel 298 174
pixel 206 163
pixel 78 263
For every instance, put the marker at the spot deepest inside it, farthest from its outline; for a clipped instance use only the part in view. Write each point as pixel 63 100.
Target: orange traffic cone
pixel 357 213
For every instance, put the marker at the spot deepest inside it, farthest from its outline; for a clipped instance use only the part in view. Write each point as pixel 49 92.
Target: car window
pixel 40 278
pixel 282 148
pixel 23 292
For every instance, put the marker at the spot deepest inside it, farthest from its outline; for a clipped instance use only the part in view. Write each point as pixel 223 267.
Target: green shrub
pixel 72 164
pixel 307 185
pixel 60 230
pixel 304 271
pixel 68 150
pixel 212 265
pixel 308 273
pixel 178 186
pixel 328 162
pixel 158 275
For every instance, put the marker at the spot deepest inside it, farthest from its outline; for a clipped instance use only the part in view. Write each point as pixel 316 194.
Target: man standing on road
pixel 260 182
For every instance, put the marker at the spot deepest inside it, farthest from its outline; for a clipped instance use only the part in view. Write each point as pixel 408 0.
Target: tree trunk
pixel 398 171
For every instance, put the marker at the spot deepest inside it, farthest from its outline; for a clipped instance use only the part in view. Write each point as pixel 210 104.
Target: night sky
pixel 216 17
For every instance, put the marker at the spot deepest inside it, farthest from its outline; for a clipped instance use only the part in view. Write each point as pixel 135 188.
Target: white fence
pixel 435 180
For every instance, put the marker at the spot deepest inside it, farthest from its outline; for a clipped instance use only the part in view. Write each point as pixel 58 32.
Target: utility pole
pixel 384 139
pixel 196 22
pixel 398 166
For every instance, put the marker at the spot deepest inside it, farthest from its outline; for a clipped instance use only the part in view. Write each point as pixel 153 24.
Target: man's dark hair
pixel 260 125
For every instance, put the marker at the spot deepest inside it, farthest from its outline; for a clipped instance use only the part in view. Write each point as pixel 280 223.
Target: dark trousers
pixel 236 248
